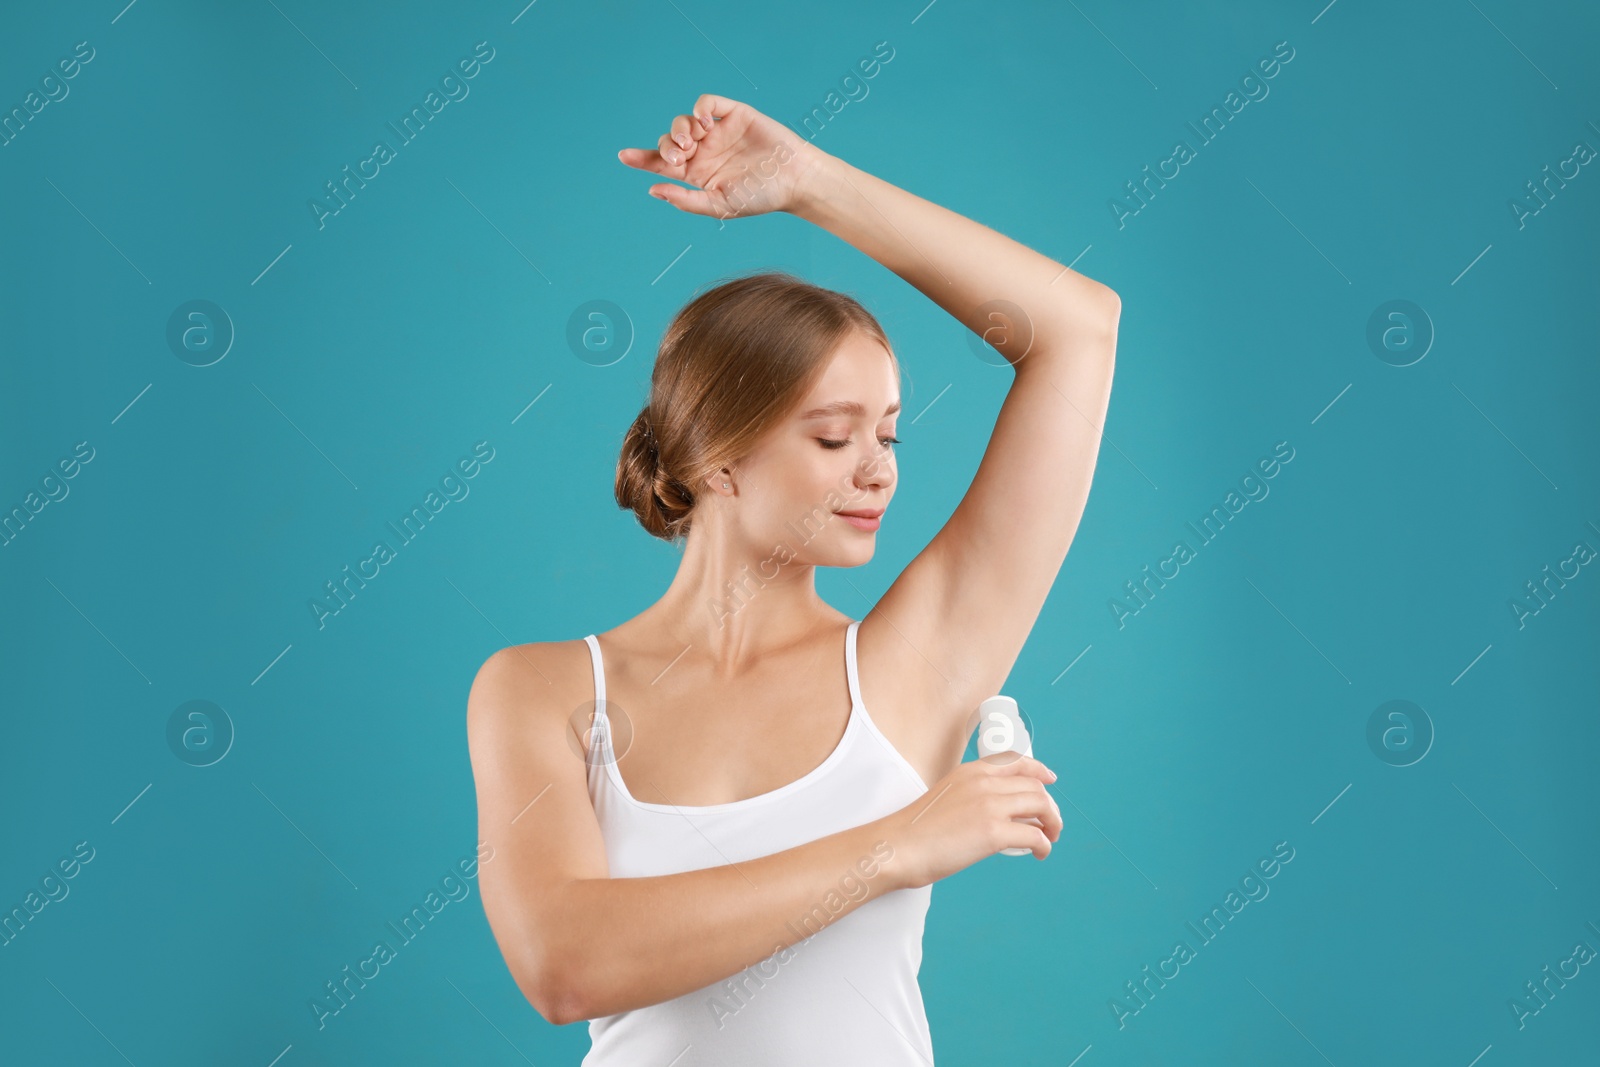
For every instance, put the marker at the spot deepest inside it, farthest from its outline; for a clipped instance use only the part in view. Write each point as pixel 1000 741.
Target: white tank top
pixel 844 993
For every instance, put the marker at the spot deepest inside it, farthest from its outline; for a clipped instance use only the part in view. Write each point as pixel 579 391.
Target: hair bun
pixel 643 485
pixel 672 496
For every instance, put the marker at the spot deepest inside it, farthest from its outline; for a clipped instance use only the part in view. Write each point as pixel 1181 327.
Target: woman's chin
pixel 855 555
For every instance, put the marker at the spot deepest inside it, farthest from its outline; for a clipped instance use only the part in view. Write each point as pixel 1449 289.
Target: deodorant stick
pixel 1001 729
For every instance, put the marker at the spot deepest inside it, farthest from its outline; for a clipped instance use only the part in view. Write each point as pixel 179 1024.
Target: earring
pixel 724 485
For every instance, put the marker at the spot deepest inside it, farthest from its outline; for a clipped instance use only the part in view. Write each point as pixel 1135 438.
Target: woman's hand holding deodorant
pixel 996 803
pixel 1001 730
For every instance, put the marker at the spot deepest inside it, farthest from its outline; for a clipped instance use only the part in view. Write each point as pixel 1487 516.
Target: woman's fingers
pixel 677 149
pixel 684 133
pixel 1030 799
pixel 694 201
pixel 670 150
pixel 644 159
pixel 679 144
pixel 1013 763
pixel 665 159
pixel 710 107
pixel 1023 835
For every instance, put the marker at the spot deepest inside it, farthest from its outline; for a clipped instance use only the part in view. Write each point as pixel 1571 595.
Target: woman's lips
pixel 861 522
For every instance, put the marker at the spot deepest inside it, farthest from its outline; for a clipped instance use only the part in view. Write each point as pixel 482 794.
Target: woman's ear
pixel 721 482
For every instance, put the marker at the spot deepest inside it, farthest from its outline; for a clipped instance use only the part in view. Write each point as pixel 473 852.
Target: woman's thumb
pixel 692 201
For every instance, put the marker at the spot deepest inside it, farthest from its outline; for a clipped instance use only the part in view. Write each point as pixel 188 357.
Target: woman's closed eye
pixel 887 442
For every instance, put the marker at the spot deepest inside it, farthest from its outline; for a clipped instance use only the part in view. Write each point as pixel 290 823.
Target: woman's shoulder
pixel 530 679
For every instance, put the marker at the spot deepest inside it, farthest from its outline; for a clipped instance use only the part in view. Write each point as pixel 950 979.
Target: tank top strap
pixel 599 670
pixel 859 709
pixel 599 739
pixel 850 664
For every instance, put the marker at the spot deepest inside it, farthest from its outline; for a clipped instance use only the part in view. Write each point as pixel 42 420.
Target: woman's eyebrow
pixel 853 408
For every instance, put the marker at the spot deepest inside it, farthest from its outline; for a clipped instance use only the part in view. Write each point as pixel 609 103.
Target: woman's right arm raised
pixel 581 944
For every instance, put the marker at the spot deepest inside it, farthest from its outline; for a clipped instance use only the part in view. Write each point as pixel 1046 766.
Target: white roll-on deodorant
pixel 1001 729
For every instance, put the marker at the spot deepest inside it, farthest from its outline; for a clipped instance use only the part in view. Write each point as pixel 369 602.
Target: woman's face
pixel 833 453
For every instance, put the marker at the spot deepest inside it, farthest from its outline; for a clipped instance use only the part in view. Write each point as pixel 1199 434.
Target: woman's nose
pixel 876 470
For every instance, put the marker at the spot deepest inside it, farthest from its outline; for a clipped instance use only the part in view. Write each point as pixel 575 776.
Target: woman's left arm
pixel 967 602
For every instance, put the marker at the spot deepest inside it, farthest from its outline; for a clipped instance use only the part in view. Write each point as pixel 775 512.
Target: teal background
pixel 1229 715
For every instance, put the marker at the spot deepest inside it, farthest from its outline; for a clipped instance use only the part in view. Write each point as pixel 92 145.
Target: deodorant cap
pixel 1001 729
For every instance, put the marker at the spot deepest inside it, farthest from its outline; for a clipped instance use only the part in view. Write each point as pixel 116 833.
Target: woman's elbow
pixel 542 959
pixel 1108 309
pixel 1092 319
pixel 553 994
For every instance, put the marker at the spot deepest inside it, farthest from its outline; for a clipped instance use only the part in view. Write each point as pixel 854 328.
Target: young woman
pixel 713 831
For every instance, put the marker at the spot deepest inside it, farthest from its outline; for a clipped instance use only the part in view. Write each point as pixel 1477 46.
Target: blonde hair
pixel 732 364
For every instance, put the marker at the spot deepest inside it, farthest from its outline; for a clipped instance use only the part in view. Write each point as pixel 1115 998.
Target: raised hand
pixel 739 161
